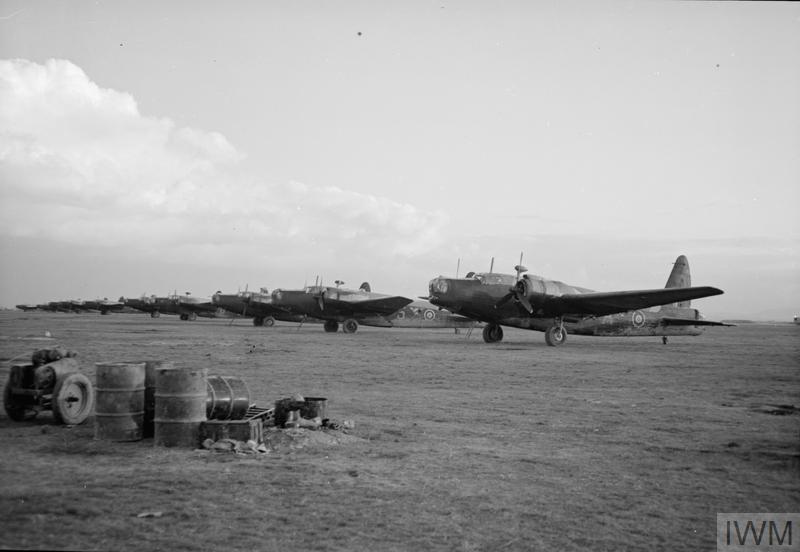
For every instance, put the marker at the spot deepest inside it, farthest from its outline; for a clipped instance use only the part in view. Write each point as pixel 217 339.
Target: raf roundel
pixel 429 314
pixel 638 319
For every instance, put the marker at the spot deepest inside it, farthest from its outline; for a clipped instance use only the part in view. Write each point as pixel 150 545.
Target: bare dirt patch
pixel 604 444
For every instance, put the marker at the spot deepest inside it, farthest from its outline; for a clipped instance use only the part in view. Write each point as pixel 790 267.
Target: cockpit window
pixel 495 278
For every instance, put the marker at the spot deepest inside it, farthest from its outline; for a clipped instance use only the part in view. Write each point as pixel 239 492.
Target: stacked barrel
pixel 157 399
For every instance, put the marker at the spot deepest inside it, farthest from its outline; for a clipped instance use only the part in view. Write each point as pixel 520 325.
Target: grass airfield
pixel 602 444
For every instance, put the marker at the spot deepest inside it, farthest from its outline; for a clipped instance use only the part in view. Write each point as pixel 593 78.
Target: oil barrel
pixel 150 394
pixel 315 407
pixel 228 398
pixel 119 406
pixel 180 405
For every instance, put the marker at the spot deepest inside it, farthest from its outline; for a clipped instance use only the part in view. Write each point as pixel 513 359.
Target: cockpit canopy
pixel 495 278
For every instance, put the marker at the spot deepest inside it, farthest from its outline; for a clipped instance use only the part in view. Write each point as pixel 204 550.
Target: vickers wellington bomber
pixel 555 308
pixel 257 305
pixel 185 306
pixel 336 305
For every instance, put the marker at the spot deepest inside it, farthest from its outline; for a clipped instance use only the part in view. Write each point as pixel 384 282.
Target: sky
pixel 153 147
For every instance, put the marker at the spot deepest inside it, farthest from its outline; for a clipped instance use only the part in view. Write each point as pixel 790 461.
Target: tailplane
pixel 680 277
pixel 365 287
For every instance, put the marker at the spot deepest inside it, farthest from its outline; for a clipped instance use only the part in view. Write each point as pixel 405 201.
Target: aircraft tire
pixel 258 321
pixel 555 336
pixel 73 399
pixel 269 321
pixel 155 314
pixel 184 317
pixel 350 326
pixel 331 326
pixel 492 333
pixel 192 316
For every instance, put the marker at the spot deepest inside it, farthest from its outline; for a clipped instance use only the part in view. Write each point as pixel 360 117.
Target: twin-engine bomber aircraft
pixel 257 305
pixel 555 308
pixel 335 305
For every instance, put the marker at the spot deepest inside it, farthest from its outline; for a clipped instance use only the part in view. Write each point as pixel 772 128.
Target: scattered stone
pixel 150 515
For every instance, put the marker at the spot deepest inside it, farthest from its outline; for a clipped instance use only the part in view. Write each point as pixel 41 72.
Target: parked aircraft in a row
pixel 492 299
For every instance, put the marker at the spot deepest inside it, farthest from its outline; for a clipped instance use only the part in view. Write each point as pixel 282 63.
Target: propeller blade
pixel 526 304
pixel 505 299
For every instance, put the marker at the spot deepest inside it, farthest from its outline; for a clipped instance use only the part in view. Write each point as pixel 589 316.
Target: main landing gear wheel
pixel 492 333
pixel 350 326
pixel 192 316
pixel 73 399
pixel 16 410
pixel 555 336
pixel 184 317
pixel 331 326
pixel 155 314
pixel 269 322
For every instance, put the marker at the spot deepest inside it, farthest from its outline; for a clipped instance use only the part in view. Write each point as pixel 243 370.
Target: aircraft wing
pixel 666 321
pixel 380 306
pixel 602 303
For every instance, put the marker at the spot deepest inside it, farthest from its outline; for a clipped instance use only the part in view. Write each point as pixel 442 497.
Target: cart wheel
pixel 16 410
pixel 73 399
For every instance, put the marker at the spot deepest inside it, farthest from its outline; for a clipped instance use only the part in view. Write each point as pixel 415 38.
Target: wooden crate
pixel 248 429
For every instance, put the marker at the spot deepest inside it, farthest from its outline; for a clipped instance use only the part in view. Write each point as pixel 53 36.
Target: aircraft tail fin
pixel 680 277
pixel 365 287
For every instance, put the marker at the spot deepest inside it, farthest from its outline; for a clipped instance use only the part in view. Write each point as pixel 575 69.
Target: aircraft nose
pixel 438 287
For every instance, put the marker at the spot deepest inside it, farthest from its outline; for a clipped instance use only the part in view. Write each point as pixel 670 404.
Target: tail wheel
pixel 73 399
pixel 269 321
pixel 331 326
pixel 555 336
pixel 492 333
pixel 16 410
pixel 350 326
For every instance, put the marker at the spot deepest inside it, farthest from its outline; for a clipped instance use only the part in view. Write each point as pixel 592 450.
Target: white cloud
pixel 80 164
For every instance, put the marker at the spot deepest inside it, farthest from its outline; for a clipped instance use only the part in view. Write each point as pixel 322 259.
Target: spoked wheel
pixel 73 399
pixel 492 333
pixel 350 326
pixel 555 336
pixel 331 326
pixel 16 410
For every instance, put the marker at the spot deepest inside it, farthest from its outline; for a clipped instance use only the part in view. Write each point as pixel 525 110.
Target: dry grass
pixel 605 444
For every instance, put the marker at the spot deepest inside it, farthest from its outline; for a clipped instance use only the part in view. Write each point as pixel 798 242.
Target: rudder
pixel 680 277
